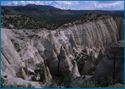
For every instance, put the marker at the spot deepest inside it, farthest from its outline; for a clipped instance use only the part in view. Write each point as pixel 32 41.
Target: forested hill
pixel 43 16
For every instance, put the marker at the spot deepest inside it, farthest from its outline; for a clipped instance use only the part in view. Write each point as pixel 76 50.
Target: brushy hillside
pixel 44 16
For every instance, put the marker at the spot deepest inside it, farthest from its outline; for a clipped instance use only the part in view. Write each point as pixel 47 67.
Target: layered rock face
pixel 66 53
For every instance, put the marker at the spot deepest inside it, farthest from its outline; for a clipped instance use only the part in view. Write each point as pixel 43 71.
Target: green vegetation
pixel 49 22
pixel 118 85
pixel 83 83
pixel 40 16
pixel 88 84
pixel 22 21
pixel 53 84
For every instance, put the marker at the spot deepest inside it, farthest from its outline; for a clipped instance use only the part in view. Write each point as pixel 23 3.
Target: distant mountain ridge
pixel 45 16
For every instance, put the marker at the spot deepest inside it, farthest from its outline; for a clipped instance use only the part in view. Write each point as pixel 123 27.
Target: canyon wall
pixel 65 53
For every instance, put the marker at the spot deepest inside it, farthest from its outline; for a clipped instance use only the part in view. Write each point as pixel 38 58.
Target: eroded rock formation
pixel 65 53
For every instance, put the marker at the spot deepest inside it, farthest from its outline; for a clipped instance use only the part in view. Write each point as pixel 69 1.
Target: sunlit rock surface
pixel 65 53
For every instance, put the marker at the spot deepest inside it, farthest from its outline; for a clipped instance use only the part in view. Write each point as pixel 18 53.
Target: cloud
pixel 116 5
pixel 76 5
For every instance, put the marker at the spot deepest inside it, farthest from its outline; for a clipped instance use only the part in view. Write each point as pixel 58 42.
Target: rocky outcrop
pixel 65 53
pixel 21 64
pixel 111 67
pixel 18 82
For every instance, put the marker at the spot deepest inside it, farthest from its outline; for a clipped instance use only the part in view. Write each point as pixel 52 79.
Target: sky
pixel 73 5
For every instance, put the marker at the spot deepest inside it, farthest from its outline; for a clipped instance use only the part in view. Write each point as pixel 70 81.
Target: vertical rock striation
pixel 55 51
